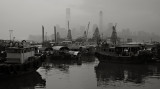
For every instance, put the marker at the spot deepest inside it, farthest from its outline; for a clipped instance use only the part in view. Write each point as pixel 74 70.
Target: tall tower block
pixel 100 21
pixel 68 17
pixel 68 20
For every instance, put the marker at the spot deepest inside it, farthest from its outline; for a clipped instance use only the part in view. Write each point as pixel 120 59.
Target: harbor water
pixel 87 74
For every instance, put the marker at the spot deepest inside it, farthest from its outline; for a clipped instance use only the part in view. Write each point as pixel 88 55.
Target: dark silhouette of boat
pixel 126 53
pixel 64 53
pixel 87 50
pixel 20 60
pixel 27 81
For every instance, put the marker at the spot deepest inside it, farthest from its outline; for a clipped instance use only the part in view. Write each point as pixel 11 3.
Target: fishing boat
pixel 126 53
pixel 88 50
pixel 64 53
pixel 20 60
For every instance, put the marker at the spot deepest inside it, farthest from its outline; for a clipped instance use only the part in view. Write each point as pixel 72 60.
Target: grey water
pixel 88 73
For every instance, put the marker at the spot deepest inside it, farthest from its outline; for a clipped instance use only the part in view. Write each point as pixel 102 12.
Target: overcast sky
pixel 27 16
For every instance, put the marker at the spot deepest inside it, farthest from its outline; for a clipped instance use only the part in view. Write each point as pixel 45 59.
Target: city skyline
pixel 26 17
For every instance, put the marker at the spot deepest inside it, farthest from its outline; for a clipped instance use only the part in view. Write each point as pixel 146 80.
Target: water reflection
pixel 89 75
pixel 64 65
pixel 28 81
pixel 107 73
pixel 88 59
pixel 61 74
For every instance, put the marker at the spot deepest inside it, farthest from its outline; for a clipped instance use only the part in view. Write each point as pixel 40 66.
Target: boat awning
pixel 18 48
pixel 42 48
pixel 134 43
pixel 60 48
pixel 74 47
pixel 128 45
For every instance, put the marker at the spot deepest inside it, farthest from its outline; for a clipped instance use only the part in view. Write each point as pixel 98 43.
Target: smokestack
pixel 42 34
pixel 55 34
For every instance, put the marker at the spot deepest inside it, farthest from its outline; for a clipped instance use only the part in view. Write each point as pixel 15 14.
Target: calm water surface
pixel 87 74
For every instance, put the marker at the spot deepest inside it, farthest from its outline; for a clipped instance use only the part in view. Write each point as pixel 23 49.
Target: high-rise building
pixel 68 19
pixel 101 21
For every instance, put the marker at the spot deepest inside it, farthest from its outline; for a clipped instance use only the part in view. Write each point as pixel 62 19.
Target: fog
pixel 26 17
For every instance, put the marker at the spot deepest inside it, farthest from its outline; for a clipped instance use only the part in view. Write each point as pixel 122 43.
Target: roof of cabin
pixel 134 43
pixel 19 48
pixel 60 47
pixel 73 46
pixel 128 45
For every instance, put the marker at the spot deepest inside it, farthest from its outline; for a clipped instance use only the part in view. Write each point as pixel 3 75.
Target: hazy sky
pixel 27 16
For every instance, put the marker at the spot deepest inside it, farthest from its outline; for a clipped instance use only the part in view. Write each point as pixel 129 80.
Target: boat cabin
pixel 19 55
pixel 124 50
pixel 127 50
pixel 67 42
pixel 60 48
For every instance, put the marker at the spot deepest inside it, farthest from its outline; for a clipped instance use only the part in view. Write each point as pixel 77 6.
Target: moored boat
pixel 88 50
pixel 64 53
pixel 20 60
pixel 125 53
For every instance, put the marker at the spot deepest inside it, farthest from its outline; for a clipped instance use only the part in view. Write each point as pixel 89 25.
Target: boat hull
pixel 11 70
pixel 63 57
pixel 122 59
